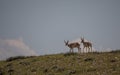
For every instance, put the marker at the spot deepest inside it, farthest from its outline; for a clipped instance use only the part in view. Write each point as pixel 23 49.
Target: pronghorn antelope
pixel 87 45
pixel 73 45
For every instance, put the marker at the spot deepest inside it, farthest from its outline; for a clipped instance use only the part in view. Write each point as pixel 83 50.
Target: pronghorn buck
pixel 87 45
pixel 73 45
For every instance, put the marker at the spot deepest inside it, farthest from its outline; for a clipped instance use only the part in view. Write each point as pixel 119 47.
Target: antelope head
pixel 82 40
pixel 66 43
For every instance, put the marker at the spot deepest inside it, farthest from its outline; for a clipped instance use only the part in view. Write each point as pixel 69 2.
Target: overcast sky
pixel 43 25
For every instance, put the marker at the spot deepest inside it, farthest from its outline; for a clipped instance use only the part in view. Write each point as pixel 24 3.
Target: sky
pixel 38 27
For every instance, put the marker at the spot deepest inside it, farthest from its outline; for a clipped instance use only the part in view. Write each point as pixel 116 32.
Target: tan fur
pixel 73 45
pixel 87 45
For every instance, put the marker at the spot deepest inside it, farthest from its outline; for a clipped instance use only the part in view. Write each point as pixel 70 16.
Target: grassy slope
pixel 64 64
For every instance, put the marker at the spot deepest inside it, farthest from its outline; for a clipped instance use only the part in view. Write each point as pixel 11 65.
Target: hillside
pixel 107 63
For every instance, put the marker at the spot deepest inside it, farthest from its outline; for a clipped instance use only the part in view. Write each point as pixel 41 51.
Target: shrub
pixel 70 72
pixel 96 52
pixel 1 72
pixel 88 59
pixel 69 54
pixel 115 51
pixel 15 58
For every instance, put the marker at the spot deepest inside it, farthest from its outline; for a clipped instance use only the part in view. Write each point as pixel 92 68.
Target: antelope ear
pixel 67 41
pixel 64 41
pixel 81 38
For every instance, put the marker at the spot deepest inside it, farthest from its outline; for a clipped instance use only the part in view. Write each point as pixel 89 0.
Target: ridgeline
pixel 96 63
